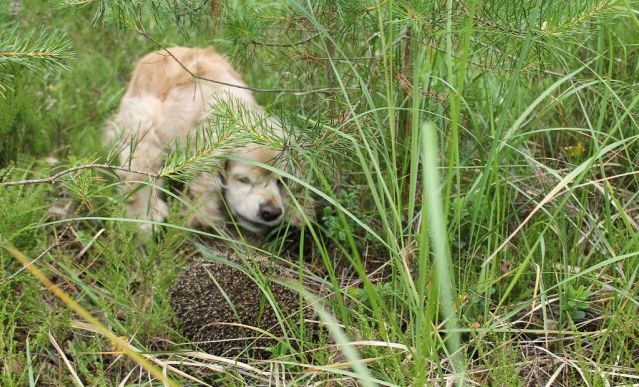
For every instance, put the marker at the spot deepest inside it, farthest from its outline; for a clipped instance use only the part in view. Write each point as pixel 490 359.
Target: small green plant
pixel 575 301
pixel 524 188
pixel 85 186
pixel 334 226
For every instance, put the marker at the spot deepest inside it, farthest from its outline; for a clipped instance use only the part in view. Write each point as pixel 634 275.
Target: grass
pixel 473 164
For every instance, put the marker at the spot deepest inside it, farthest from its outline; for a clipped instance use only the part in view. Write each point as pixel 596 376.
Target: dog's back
pixel 159 72
pixel 171 92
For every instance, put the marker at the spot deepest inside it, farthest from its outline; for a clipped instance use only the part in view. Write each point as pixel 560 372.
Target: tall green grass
pixel 483 152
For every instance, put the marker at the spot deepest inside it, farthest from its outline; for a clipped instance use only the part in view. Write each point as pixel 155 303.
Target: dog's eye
pixel 244 180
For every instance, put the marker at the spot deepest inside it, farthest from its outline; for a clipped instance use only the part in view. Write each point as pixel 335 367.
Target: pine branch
pixel 231 127
pixel 564 25
pixel 303 41
pixel 253 89
pixel 130 14
pixel 38 49
pixel 55 178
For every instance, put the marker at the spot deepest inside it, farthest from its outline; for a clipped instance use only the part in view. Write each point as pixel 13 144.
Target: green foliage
pixel 135 14
pixel 334 226
pixel 576 300
pixel 533 111
pixel 20 208
pixel 243 29
pixel 22 125
pixel 230 127
pixel 84 187
pixel 34 49
pixel 24 315
pixel 24 323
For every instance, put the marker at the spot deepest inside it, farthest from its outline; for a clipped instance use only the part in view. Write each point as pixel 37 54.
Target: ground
pixel 475 198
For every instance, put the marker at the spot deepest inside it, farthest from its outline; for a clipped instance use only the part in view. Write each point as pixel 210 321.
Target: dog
pixel 169 97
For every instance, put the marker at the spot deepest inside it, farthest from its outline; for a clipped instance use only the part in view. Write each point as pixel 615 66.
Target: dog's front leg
pixel 145 200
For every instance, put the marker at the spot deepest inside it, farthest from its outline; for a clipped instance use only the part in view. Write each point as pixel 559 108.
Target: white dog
pixel 165 103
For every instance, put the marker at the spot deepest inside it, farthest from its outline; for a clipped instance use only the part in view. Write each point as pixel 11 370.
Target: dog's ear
pixel 222 174
pixel 206 191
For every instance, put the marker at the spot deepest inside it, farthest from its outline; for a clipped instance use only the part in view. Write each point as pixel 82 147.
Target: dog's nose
pixel 269 212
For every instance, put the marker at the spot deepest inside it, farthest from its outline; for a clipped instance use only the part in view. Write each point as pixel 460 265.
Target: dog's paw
pixel 299 218
pixel 159 210
pixel 145 230
pixel 156 210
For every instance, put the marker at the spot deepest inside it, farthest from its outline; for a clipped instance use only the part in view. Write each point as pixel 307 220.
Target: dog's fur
pixel 164 103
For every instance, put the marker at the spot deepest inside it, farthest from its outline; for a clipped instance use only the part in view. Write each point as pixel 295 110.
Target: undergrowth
pixel 472 166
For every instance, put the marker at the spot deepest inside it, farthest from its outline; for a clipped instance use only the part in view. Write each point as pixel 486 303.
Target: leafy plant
pixel 483 153
pixel 576 300
pixel 337 229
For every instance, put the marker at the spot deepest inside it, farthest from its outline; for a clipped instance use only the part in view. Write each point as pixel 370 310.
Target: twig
pixel 74 374
pixel 53 179
pixel 56 243
pixel 253 89
pixel 286 44
pixel 36 259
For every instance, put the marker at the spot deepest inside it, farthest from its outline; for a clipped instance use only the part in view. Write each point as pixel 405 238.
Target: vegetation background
pixel 485 152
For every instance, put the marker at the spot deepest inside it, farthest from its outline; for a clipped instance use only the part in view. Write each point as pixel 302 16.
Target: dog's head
pixel 254 195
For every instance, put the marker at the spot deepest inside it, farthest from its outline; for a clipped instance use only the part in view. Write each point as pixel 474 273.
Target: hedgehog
pixel 224 311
